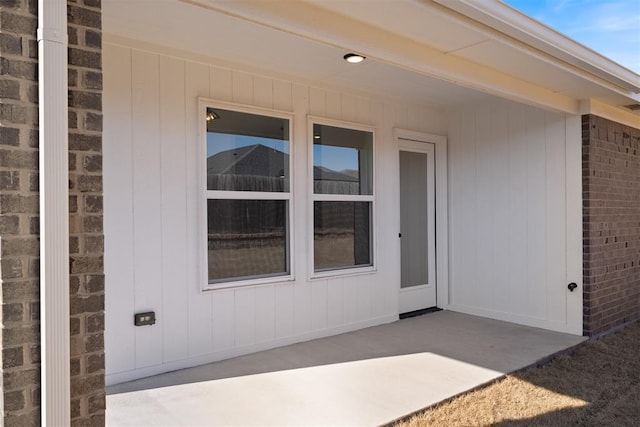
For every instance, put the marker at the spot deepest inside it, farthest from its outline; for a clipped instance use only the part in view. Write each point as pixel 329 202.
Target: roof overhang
pixel 478 47
pixel 522 28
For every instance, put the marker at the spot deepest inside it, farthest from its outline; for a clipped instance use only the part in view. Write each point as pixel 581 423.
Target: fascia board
pixel 519 26
pixel 616 114
pixel 323 26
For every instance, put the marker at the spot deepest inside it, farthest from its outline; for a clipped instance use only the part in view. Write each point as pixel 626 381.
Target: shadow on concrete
pixel 499 346
pixel 366 377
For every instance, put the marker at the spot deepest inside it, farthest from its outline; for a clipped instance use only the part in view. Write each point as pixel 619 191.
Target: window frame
pixel 204 195
pixel 313 197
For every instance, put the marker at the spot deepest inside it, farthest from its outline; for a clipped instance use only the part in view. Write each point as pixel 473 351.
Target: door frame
pixel 441 209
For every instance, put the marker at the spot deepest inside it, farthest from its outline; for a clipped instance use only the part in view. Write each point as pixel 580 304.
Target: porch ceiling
pixel 420 51
pixel 455 27
pixel 234 41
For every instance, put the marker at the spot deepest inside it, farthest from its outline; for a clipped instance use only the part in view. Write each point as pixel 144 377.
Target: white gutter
pixel 54 213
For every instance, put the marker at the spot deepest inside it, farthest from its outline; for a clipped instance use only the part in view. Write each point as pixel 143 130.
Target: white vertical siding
pixel 483 201
pixel 221 84
pixel 320 305
pixel 265 313
pixel 556 214
pixel 152 210
pixel 245 316
pixel 335 303
pixel 173 267
pixel 517 210
pixel 536 215
pixel 334 105
pixel 147 201
pixel 508 218
pixel 200 329
pixel 223 318
pixel 263 92
pixel 284 310
pixel 500 202
pixel 118 222
pixel 282 95
pixel 243 90
pixel 386 298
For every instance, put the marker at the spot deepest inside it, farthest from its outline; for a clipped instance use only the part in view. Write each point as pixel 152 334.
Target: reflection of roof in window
pixel 326 174
pixel 255 159
pixel 261 160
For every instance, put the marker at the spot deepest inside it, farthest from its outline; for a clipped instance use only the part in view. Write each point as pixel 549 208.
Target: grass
pixel 596 385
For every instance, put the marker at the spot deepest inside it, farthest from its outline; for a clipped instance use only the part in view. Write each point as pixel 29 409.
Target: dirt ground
pixel 596 385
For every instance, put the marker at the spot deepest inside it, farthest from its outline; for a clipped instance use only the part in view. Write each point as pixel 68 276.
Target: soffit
pixel 492 52
pixel 409 19
pixel 233 41
pixel 458 35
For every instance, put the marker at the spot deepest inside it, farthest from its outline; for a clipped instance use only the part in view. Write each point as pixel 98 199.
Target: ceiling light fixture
pixel 354 58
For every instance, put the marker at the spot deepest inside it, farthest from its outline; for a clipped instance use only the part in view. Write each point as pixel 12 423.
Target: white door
pixel 417 226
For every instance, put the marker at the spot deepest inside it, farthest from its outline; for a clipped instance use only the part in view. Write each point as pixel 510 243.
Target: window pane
pixel 414 213
pixel 342 235
pixel 247 238
pixel 247 152
pixel 342 160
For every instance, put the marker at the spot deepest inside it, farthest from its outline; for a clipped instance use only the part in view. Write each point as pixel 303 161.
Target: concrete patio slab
pixel 363 378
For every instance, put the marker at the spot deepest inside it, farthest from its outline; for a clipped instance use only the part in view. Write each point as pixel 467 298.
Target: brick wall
pixel 19 246
pixel 611 222
pixel 85 209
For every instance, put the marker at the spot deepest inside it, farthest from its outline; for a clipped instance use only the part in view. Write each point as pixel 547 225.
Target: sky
pixel 610 27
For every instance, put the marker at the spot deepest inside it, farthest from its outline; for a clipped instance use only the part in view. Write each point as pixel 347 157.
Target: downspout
pixel 54 213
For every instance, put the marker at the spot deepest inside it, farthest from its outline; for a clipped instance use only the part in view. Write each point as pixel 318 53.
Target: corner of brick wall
pixel 86 242
pixel 19 221
pixel 611 224
pixel 19 244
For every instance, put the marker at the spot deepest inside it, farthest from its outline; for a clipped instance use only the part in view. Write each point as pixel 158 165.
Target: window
pixel 342 197
pixel 248 196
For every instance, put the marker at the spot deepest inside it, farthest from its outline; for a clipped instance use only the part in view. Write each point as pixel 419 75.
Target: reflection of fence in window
pixel 227 182
pixel 248 192
pixel 329 181
pixel 336 187
pixel 246 238
pixel 342 235
pixel 246 254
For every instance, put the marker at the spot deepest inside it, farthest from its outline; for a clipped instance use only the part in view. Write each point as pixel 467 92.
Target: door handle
pixel 572 286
